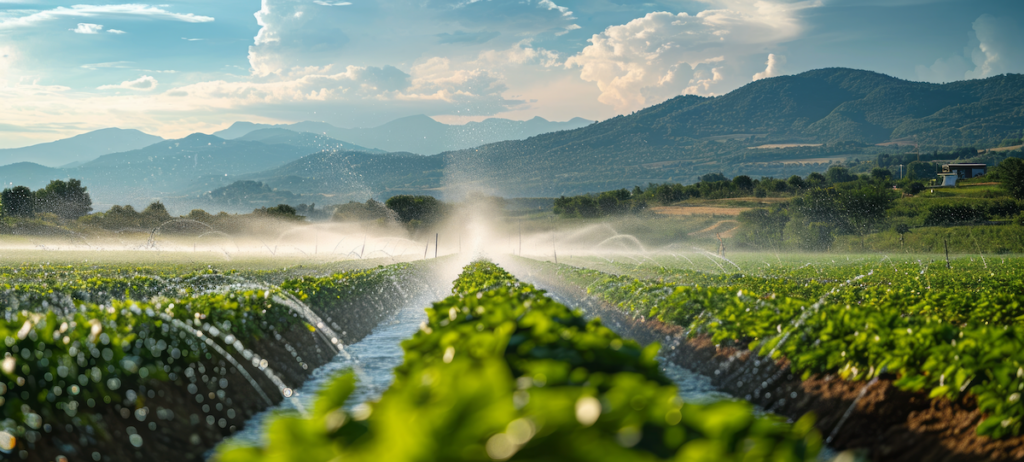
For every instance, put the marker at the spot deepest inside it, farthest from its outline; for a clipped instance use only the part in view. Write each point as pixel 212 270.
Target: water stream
pixel 372 359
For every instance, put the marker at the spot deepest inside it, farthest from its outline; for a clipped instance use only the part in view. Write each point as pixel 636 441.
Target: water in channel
pixel 372 359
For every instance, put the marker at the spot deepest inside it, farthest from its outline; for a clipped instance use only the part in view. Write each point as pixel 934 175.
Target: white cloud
pixel 774 67
pixel 999 48
pixel 993 48
pixel 116 31
pixel 144 83
pixel 321 2
pixel 32 18
pixel 86 28
pixel 661 55
pixel 548 4
pixel 519 53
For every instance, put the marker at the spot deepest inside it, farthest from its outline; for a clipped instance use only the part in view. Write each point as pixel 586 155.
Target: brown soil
pixel 723 228
pixel 676 210
pixel 186 434
pixel 1004 148
pixel 888 423
pixel 785 145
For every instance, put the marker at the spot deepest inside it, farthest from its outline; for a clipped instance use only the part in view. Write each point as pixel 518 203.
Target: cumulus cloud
pixel 116 31
pixel 662 55
pixel 519 53
pixel 144 83
pixel 86 28
pixel 32 18
pixel 999 47
pixel 993 48
pixel 774 67
pixel 321 2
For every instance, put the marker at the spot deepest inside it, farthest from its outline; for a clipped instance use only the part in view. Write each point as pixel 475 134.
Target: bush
pixel 950 214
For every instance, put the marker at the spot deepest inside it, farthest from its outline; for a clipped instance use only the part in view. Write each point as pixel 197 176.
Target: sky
pixel 172 69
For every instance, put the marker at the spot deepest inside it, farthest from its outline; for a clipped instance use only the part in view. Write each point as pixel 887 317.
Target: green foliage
pixel 766 227
pixel 80 341
pixel 507 373
pixel 66 199
pixel 425 209
pixel 284 211
pixel 1011 174
pixel 952 214
pixel 948 332
pixel 371 210
pixel 17 202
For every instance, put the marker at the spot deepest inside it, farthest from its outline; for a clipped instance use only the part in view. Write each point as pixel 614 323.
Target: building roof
pixel 966 165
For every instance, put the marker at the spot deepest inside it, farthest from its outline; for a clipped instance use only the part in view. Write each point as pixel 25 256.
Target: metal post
pixel 946 246
pixel 553 249
pixel 425 247
pixel 435 244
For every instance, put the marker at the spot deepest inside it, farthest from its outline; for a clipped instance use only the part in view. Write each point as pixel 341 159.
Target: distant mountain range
pixel 420 134
pixel 80 148
pixel 835 114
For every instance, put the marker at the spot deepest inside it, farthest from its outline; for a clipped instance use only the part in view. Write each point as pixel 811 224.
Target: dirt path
pixel 721 228
pixel 676 210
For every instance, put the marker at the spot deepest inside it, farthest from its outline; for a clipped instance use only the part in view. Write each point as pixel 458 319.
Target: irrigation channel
pixel 374 358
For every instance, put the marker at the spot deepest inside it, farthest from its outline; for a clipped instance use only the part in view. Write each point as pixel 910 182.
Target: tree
pixel 66 199
pixel 156 213
pixel 419 208
pixel 796 182
pixel 743 182
pixel 836 174
pixel 765 226
pixel 18 202
pixel 815 179
pixel 881 173
pixel 827 211
pixel 1011 176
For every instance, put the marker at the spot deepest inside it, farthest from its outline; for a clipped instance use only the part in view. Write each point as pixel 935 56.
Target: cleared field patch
pixel 1004 148
pixel 725 228
pixel 678 210
pixel 785 145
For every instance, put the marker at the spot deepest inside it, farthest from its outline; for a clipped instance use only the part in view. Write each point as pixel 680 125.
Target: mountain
pixel 810 120
pixel 832 114
pixel 79 148
pixel 196 163
pixel 303 139
pixel 29 174
pixel 420 134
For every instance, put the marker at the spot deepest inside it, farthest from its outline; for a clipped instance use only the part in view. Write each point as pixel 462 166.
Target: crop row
pixel 500 371
pixel 76 352
pixel 947 332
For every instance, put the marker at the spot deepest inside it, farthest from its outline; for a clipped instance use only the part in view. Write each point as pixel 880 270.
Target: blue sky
pixel 177 68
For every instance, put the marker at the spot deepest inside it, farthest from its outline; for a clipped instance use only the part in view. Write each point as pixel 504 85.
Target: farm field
pixel 162 362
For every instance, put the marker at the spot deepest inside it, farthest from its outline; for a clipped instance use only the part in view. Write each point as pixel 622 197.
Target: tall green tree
pixel 419 208
pixel 66 199
pixel 1011 176
pixel 17 202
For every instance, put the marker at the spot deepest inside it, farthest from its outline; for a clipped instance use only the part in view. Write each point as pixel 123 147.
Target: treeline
pixel 710 186
pixel 67 200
